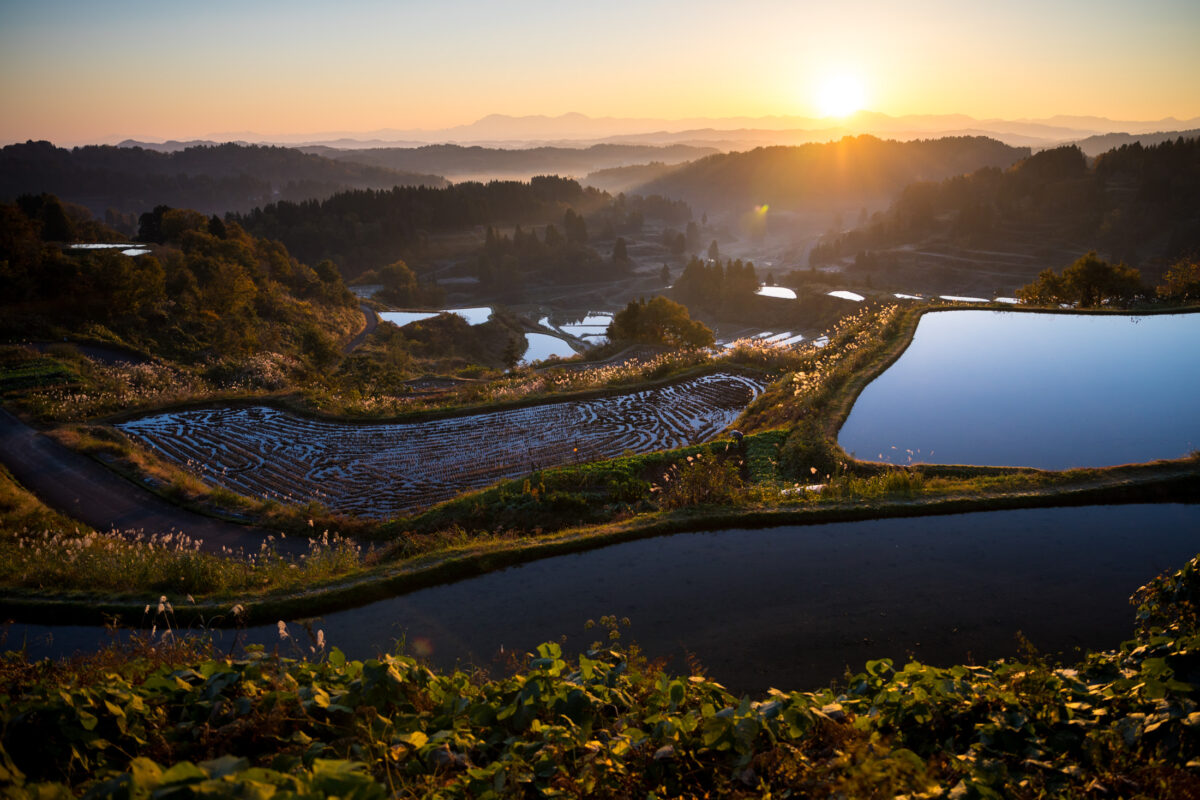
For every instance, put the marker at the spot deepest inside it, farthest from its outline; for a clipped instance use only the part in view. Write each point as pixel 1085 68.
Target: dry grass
pixel 42 550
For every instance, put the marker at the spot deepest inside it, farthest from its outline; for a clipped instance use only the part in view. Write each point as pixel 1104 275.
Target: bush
pixel 700 481
pixel 807 453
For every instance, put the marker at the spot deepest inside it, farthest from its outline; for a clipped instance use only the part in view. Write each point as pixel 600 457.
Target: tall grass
pixel 43 550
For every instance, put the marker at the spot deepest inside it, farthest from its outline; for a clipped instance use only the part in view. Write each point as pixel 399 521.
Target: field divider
pixel 1167 481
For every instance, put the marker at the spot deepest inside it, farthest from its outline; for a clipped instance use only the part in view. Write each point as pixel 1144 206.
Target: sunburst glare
pixel 840 95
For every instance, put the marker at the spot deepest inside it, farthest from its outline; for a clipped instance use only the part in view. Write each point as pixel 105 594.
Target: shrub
pixel 700 481
pixel 808 453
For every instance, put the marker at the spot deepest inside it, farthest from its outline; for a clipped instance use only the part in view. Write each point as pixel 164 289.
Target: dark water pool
pixel 794 607
pixel 1039 390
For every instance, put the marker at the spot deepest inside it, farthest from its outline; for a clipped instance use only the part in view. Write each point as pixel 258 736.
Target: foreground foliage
pixel 172 720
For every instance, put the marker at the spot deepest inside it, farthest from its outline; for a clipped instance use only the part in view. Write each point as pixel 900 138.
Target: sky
pixel 74 72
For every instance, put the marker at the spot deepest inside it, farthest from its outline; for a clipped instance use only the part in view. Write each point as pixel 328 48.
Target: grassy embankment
pixel 167 718
pixel 703 487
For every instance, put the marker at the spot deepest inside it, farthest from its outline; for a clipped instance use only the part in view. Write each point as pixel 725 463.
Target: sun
pixel 840 95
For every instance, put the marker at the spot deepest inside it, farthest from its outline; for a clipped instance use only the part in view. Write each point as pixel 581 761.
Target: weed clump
pixel 700 481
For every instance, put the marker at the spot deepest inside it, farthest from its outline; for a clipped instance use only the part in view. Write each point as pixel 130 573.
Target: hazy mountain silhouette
pixel 1095 145
pixel 457 161
pixel 724 132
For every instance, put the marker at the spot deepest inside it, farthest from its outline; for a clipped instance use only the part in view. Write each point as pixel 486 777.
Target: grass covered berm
pixel 170 719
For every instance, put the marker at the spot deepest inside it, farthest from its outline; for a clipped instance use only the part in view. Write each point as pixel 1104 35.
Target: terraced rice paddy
pixel 384 469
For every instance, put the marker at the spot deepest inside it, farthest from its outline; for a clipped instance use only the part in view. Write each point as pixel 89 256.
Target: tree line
pixel 1134 204
pixel 359 230
pixel 722 289
pixel 115 182
pixel 207 290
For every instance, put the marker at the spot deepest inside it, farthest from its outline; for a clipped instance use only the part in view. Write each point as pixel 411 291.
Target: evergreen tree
pixel 619 254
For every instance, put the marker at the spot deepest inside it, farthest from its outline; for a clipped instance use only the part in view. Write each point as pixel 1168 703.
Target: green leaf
pixel 184 772
pixel 414 739
pixel 144 774
pixel 225 765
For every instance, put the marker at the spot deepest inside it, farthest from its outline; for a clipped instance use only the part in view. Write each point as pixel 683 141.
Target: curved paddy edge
pixel 1174 481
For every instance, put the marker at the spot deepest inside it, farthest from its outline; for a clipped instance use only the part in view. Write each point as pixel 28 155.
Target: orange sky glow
pixel 76 72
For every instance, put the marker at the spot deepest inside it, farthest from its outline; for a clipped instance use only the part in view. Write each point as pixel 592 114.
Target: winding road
pixel 85 490
pixel 372 323
pixel 91 493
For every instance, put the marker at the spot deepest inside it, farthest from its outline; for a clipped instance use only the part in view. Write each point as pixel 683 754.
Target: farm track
pixel 89 492
pixel 386 469
pixel 372 322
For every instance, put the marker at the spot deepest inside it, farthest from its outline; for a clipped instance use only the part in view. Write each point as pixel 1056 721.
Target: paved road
pixel 91 493
pixel 372 323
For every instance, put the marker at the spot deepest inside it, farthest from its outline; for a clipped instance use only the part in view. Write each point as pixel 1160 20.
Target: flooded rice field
pixel 791 607
pixel 384 469
pixel 1051 391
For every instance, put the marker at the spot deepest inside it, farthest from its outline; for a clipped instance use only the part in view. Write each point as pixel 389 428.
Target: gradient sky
pixel 89 71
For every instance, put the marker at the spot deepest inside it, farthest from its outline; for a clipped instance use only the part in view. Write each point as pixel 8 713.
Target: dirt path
pixel 372 324
pixel 87 491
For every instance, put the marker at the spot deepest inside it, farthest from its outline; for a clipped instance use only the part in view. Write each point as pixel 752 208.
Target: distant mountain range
pixel 723 133
pixel 459 163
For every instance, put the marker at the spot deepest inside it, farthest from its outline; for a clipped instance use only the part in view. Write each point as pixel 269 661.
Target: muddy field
pixel 380 470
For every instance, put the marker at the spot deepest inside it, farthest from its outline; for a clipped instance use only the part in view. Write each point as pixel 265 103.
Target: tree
pixel 660 321
pixel 399 284
pixel 150 225
pixel 1182 281
pixel 1094 282
pixel 714 252
pixel 575 228
pixel 620 254
pixel 665 275
pixel 326 271
pixel 318 347
pixel 1088 283
pixel 679 245
pixel 513 350
pixel 1048 289
pixel 56 227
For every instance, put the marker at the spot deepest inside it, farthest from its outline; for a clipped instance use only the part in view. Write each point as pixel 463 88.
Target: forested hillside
pixel 851 173
pixel 209 290
pixel 1136 204
pixel 361 230
pixel 118 183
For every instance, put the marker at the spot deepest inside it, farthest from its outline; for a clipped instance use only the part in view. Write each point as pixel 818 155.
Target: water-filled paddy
pixel 474 316
pixel 382 469
pixel 792 607
pixel 1041 390
pixel 541 346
